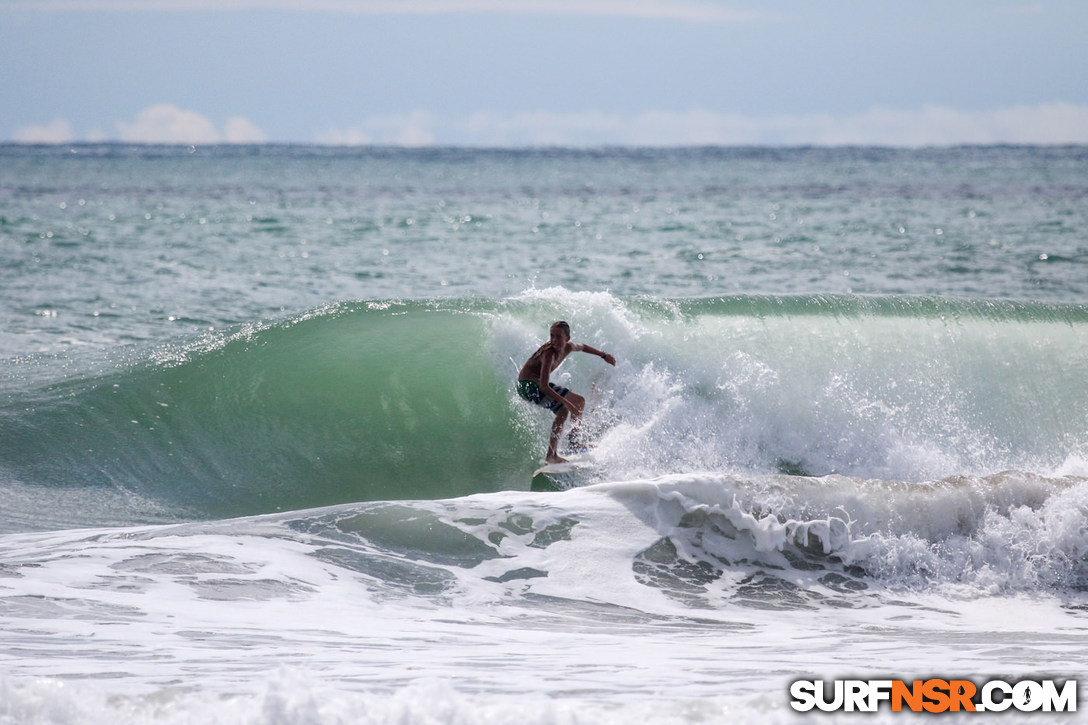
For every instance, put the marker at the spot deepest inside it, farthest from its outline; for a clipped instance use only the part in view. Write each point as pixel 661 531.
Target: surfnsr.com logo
pixel 934 695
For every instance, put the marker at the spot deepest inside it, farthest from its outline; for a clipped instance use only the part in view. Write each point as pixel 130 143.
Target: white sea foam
pixel 731 585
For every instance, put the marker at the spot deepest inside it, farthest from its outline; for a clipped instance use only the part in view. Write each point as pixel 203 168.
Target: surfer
pixel 534 386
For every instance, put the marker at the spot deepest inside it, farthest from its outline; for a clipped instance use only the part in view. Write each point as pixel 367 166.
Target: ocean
pixel 262 459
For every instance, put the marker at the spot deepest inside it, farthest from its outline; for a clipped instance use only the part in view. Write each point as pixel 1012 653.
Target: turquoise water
pixel 256 406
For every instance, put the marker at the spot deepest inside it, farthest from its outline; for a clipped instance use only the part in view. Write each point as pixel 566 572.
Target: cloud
pixel 242 130
pixel 167 124
pixel 1055 123
pixel 1052 123
pixel 412 129
pixel 685 10
pixel 545 128
pixel 696 11
pixel 59 131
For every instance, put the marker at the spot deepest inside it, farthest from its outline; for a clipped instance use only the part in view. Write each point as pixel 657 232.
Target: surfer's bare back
pixel 535 387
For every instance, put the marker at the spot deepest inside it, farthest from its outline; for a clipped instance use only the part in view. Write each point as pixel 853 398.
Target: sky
pixel 544 72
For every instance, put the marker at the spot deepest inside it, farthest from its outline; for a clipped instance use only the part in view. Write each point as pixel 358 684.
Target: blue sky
pixel 534 72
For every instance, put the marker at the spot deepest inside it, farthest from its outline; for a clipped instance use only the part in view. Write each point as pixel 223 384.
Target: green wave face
pixel 353 404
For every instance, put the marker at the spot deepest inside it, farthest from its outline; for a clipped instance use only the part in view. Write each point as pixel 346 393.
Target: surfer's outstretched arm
pixel 607 357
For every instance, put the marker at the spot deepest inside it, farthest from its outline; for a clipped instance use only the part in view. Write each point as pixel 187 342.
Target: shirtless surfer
pixel 534 386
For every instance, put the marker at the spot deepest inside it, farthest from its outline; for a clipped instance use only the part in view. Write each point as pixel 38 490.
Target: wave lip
pixel 893 388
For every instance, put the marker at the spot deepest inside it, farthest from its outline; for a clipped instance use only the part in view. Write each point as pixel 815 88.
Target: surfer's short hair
pixel 562 325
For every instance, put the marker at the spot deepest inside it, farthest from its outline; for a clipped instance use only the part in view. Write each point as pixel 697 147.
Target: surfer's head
pixel 560 333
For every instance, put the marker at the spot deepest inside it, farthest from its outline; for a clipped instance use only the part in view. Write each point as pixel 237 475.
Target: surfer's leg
pixel 561 415
pixel 576 423
pixel 553 442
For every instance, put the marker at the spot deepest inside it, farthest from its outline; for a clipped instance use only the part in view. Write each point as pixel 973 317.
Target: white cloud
pixel 545 128
pixel 1054 123
pixel 696 11
pixel 411 129
pixel 415 136
pixel 242 130
pixel 59 131
pixel 167 124
pixel 686 10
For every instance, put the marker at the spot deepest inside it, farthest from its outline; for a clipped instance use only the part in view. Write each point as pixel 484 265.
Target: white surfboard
pixel 576 471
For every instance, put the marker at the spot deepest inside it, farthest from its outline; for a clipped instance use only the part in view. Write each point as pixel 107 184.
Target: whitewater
pixel 262 460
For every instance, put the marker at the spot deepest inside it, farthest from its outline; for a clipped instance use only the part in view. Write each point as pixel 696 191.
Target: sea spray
pixel 890 388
